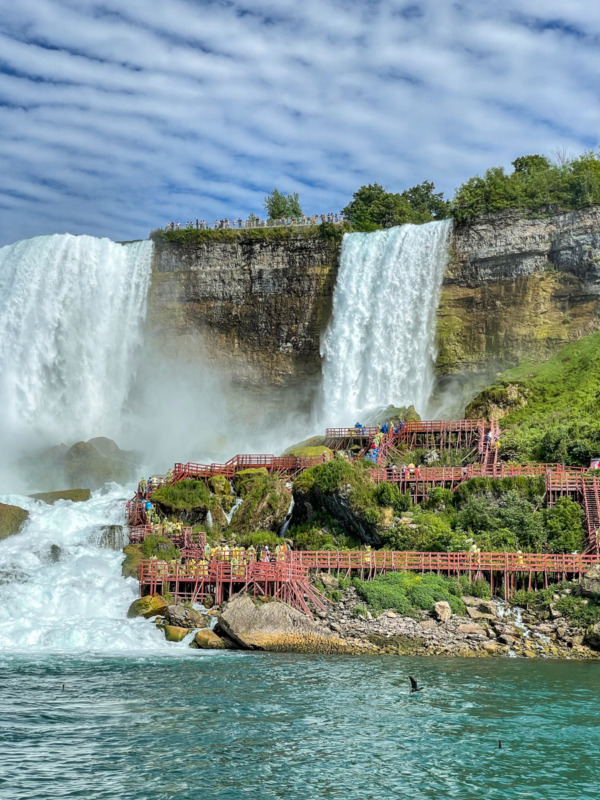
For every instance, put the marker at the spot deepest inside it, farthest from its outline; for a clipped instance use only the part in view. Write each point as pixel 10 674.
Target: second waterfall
pixel 380 345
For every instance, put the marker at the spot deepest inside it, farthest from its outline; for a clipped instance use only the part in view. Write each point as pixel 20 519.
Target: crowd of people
pixel 237 557
pixel 253 222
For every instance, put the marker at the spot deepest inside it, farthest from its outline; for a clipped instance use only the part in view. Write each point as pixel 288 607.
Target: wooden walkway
pixel 288 580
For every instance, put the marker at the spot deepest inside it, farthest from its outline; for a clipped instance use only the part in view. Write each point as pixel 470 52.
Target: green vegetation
pixel 159 546
pixel 194 236
pixel 11 520
pixel 372 207
pixel 492 514
pixel 260 539
pixel 552 407
pixel 281 206
pixel 408 593
pixel 183 496
pixel 534 184
pixel 265 504
pixel 581 611
pixel 74 495
pixel 131 562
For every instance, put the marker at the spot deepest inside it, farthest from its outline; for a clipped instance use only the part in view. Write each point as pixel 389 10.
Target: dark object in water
pixel 413 685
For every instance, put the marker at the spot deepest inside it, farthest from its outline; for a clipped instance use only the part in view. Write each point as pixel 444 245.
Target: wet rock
pixel 74 495
pixel 150 606
pixel 173 633
pixel 506 638
pixel 131 563
pixel 442 611
pixel 55 553
pixel 183 617
pixel 113 537
pixel 12 519
pixel 208 640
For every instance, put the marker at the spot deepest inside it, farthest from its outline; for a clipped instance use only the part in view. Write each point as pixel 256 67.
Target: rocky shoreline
pixel 490 628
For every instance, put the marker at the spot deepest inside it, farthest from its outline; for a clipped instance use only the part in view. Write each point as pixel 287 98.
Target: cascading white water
pixel 379 347
pixel 70 597
pixel 71 309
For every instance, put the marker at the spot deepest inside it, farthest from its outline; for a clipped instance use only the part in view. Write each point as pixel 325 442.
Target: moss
pixel 182 496
pixel 219 485
pixel 313 441
pixel 314 451
pixel 11 520
pixel 245 477
pixel 159 546
pixel 150 606
pixel 264 507
pixel 74 495
pixel 130 568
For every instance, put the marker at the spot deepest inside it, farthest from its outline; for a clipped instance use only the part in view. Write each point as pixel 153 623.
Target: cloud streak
pixel 118 116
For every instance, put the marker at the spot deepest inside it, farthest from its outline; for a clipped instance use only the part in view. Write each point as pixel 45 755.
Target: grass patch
pixel 183 496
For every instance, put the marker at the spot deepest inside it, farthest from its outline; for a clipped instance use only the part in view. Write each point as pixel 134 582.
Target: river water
pixel 233 725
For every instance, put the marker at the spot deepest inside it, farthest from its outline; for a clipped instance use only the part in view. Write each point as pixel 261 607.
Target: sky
pixel 118 116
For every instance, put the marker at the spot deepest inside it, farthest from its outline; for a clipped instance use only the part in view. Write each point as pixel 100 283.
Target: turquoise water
pixel 238 725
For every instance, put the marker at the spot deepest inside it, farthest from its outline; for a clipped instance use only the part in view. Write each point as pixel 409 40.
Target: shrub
pixel 260 539
pixel 359 611
pixel 577 611
pixel 406 592
pixel 159 546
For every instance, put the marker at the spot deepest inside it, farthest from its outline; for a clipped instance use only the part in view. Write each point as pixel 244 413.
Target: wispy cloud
pixel 118 115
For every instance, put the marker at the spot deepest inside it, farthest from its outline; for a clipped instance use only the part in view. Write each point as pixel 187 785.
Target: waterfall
pixel 71 313
pixel 380 344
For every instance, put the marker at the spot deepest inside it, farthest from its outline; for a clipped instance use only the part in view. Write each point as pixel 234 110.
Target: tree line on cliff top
pixel 535 183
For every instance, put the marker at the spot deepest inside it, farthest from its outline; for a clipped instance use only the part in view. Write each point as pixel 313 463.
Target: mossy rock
pixel 84 465
pixel 311 452
pixel 219 485
pixel 173 633
pixel 150 606
pixel 219 520
pixel 244 477
pixel 74 495
pixel 265 505
pixel 208 640
pixel 131 564
pixel 313 441
pixel 188 500
pixel 11 520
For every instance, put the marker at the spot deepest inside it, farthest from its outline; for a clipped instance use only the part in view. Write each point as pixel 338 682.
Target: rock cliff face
pixel 254 307
pixel 517 288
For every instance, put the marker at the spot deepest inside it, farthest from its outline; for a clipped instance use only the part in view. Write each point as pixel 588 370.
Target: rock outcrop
pixel 589 584
pixel 208 640
pixel 74 495
pixel 517 288
pixel 255 307
pixel 184 617
pixel 11 520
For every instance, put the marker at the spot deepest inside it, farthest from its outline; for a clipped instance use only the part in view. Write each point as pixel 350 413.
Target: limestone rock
pixel 590 583
pixel 150 606
pixel 184 617
pixel 442 611
pixel 208 640
pixel 74 495
pixel 328 581
pixel 474 613
pixel 11 520
pixel 173 633
pixel 276 626
pixel 131 563
pixel 471 628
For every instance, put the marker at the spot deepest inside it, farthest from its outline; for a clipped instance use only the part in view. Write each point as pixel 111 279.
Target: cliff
pixel 517 288
pixel 255 307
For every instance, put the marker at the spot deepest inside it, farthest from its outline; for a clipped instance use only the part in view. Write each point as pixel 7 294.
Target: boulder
pixel 150 606
pixel 113 537
pixel 208 640
pixel 471 628
pixel 276 626
pixel 11 520
pixel 173 633
pixel 131 562
pixel 442 611
pixel 219 485
pixel 74 495
pixel 474 613
pixel 328 581
pixel 589 584
pixel 592 636
pixel 266 501
pixel 184 617
pixel 55 553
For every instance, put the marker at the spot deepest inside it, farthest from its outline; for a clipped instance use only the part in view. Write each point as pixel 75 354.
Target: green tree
pixel 372 207
pixel 280 206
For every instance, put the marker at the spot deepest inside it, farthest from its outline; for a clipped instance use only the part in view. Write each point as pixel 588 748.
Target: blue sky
pixel 119 115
